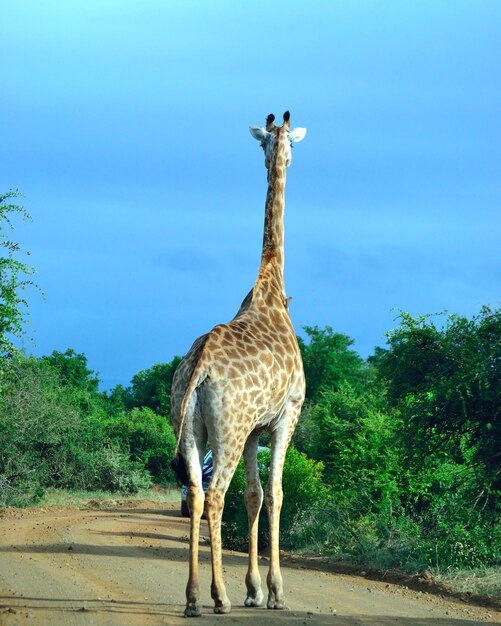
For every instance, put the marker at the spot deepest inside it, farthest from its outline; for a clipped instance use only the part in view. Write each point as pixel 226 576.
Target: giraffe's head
pixel 272 137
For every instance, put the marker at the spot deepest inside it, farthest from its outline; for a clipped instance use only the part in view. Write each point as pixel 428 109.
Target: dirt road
pixel 128 565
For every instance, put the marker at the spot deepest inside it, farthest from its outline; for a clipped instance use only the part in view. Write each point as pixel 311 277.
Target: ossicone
pixel 270 121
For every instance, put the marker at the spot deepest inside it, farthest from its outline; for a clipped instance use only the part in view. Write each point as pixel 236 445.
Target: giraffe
pixel 237 381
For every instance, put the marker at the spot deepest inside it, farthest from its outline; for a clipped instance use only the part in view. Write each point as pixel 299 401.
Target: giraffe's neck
pixel 273 239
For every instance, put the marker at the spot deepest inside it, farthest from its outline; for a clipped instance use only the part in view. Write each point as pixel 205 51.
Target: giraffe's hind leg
pixel 224 467
pixel 195 499
pixel 196 506
pixel 253 503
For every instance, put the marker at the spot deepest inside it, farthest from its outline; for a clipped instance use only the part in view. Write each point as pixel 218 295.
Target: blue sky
pixel 125 125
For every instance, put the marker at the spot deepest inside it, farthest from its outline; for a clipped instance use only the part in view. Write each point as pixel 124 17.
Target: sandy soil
pixel 128 565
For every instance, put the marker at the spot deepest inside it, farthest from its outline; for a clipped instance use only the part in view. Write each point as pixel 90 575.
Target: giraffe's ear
pixel 297 134
pixel 259 133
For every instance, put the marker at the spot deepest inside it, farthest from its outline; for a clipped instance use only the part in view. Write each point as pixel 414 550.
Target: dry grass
pixel 481 582
pixel 79 499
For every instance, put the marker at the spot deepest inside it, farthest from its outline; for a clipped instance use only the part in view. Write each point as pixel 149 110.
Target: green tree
pixel 116 400
pixel 330 362
pixel 444 381
pixel 15 277
pixel 151 388
pixel 355 441
pixel 72 370
pixel 76 379
pixel 332 367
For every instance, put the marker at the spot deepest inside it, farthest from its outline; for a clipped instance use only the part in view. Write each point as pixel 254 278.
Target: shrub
pixel 19 491
pixel 48 437
pixel 114 471
pixel 35 425
pixel 148 437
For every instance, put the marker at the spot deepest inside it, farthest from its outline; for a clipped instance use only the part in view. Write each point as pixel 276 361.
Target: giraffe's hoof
pixel 275 604
pixel 257 599
pixel 278 606
pixel 192 610
pixel 223 607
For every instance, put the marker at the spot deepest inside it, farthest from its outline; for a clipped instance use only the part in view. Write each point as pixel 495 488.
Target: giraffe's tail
pixel 178 466
pixel 197 377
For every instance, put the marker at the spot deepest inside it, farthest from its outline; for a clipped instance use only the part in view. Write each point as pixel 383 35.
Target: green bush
pixel 455 536
pixel 104 467
pixel 36 423
pixel 50 437
pixel 356 442
pixel 19 491
pixel 114 471
pixel 148 437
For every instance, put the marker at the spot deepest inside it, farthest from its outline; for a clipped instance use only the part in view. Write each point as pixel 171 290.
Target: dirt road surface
pixel 127 566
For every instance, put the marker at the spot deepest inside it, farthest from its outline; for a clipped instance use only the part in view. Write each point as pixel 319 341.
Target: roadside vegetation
pixel 101 499
pixel 395 463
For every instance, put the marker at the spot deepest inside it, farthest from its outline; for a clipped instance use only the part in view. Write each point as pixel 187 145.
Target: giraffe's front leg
pixel 195 500
pixel 215 504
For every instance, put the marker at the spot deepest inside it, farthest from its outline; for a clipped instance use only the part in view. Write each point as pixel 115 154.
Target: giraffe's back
pixel 251 370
